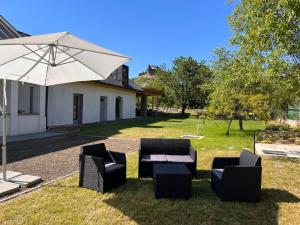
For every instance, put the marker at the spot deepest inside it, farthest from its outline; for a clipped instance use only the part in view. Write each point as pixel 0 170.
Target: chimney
pixel 125 72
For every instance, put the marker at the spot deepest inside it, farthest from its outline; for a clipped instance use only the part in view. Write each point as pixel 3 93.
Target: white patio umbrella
pixel 52 59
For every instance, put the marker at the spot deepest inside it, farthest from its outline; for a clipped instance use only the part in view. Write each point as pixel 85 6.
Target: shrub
pixel 292 139
pixel 278 127
pixel 297 129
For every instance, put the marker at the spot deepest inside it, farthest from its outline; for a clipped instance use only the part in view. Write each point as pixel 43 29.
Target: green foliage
pixel 267 30
pixel 184 84
pixel 278 127
pixel 267 36
pixel 279 133
pixel 234 92
pixel 144 81
pixel 262 75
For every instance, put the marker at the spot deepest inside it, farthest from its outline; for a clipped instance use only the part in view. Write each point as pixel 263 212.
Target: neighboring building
pixel 33 108
pixel 150 72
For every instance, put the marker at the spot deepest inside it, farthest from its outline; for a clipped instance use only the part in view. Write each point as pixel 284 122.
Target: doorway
pixel 77 108
pixel 119 107
pixel 103 108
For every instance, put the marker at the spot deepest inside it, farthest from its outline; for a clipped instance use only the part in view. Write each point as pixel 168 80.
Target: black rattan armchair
pixel 237 178
pixel 100 169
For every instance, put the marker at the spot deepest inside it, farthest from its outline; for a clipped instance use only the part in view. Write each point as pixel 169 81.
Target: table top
pixel 170 168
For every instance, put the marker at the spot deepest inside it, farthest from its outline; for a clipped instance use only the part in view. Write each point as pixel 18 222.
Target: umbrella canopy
pixel 56 59
pixel 52 59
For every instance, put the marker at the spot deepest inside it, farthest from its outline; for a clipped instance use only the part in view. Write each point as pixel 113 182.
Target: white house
pixel 88 102
pixel 32 108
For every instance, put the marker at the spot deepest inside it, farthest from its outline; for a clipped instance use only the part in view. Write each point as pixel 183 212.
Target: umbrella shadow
pixel 110 128
pixel 31 148
pixel 136 200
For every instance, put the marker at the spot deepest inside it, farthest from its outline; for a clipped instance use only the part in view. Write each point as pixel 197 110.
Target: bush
pixel 297 129
pixel 278 127
pixel 292 139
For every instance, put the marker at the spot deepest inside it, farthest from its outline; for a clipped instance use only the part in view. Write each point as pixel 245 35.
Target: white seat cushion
pixel 154 158
pixel 180 158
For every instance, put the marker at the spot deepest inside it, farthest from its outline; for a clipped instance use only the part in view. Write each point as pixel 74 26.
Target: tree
pixel 183 84
pixel 268 30
pixel 262 75
pixel 267 34
pixel 143 81
pixel 235 93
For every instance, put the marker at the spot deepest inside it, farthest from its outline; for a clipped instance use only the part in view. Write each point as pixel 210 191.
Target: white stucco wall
pixel 24 124
pixel 31 124
pixel 60 103
pixel 24 98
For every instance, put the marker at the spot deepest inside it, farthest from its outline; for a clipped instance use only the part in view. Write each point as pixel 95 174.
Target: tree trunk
pixel 241 124
pixel 183 107
pixel 228 128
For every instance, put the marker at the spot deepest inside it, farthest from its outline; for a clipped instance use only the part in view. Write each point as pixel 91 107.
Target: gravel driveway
pixel 54 157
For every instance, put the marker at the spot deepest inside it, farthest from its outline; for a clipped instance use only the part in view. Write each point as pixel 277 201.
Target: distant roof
pixel 23 34
pixel 153 67
pixel 7 31
pixel 131 85
pixel 152 91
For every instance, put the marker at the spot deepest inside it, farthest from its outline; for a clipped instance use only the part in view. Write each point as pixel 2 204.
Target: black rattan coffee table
pixel 171 180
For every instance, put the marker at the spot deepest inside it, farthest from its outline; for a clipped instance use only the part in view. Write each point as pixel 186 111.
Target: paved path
pixel 278 149
pixel 54 157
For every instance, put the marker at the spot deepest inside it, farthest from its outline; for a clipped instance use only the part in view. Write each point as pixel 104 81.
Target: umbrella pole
pixel 198 125
pixel 4 103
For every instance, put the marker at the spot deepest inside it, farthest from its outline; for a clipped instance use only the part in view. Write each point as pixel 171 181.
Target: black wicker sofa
pixel 100 169
pixel 165 151
pixel 237 178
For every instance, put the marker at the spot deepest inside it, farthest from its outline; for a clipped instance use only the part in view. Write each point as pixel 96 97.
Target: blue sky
pixel 151 32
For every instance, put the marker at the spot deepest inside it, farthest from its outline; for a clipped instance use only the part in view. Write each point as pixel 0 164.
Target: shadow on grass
pixel 136 200
pixel 110 128
pixel 31 148
pixel 203 174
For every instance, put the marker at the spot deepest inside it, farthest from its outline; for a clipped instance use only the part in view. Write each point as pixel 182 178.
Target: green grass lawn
pixel 133 203
pixel 172 126
pixel 63 202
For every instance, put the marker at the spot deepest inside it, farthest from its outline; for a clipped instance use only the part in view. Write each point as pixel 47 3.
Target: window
pixel 77 108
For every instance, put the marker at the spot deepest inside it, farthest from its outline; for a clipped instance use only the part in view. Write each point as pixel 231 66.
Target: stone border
pixel 277 150
pixel 35 188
